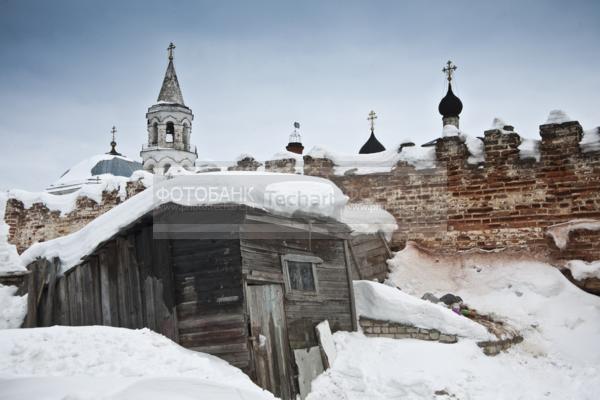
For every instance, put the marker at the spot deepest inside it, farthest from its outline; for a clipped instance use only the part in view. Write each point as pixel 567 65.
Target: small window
pixel 300 273
pixel 301 276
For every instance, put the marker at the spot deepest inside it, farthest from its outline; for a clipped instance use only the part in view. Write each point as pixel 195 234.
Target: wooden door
pixel 269 339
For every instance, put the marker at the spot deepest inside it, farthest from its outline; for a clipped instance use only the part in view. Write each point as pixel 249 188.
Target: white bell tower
pixel 169 127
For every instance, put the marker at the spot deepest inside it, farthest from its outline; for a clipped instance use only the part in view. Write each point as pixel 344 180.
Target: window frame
pixel 314 261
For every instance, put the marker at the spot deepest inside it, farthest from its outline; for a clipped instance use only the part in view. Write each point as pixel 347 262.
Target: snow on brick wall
pixel 38 223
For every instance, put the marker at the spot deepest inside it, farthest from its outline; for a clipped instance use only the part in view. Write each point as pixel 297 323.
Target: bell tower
pixel 169 127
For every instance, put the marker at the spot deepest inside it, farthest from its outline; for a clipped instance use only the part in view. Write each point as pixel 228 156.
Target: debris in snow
pixel 450 299
pixel 560 232
pixel 429 297
pixel 583 270
pixel 113 363
pixel 385 303
pixel 558 117
pixel 326 343
pixel 13 308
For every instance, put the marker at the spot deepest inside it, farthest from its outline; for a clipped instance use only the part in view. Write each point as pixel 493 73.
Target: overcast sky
pixel 69 70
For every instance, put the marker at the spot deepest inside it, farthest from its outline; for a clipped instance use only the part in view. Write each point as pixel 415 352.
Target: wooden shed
pixel 235 282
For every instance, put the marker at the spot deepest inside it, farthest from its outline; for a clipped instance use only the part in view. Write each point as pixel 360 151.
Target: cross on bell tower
pixel 449 70
pixel 170 50
pixel 372 117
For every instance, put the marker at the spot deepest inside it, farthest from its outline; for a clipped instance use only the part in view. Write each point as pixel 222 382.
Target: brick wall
pixel 38 224
pixel 506 202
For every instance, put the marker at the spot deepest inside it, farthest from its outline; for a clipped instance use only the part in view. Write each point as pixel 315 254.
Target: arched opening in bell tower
pixel 170 133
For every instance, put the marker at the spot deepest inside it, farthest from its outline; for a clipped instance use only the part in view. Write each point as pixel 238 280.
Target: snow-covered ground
pixel 13 308
pixel 558 359
pixel 85 363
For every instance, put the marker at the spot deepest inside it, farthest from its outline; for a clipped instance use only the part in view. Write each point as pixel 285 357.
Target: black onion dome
pixel 371 146
pixel 450 106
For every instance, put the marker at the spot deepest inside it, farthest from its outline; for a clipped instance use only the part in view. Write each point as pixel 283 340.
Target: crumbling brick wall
pixel 38 223
pixel 506 202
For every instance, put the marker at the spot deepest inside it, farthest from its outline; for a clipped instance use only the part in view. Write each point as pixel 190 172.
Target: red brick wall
pixel 504 203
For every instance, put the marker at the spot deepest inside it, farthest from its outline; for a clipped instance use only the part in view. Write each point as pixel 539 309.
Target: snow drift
pixel 99 362
pixel 386 303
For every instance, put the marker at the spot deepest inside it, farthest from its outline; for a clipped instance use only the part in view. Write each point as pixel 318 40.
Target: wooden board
pixel 270 346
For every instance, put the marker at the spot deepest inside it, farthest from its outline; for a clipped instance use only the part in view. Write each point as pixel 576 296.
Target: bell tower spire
pixel 170 92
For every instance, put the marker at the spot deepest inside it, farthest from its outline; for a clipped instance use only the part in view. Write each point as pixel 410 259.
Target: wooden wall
pixel 126 282
pixel 210 300
pixel 369 255
pixel 261 262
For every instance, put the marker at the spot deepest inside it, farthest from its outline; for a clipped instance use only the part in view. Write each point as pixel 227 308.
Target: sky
pixel 70 70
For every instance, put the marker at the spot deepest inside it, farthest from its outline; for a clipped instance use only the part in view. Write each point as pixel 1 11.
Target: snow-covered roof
pixel 91 170
pixel 277 193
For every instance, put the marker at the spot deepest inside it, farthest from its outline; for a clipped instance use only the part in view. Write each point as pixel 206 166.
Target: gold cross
pixel 171 48
pixel 113 131
pixel 449 70
pixel 372 118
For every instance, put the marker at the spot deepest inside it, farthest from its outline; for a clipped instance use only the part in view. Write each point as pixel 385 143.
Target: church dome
pixel 371 146
pixel 450 106
pixel 91 170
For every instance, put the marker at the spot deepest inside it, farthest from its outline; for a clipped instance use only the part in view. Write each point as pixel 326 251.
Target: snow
pixel 82 171
pixel 583 270
pixel 558 117
pixel 590 140
pixel 385 161
pixel 369 218
pixel 530 148
pixel 382 302
pixel 560 232
pixel 498 123
pixel 65 203
pixel 558 358
pixel 281 194
pixel 450 130
pixel 244 156
pixel 12 308
pixel 97 362
pixel 287 155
